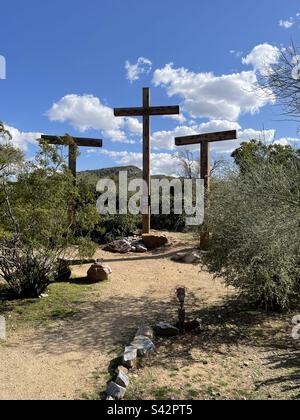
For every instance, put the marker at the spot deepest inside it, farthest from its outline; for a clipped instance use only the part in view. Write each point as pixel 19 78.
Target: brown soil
pixel 69 358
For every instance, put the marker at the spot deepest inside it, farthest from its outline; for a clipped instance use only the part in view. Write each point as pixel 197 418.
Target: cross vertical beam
pixel 146 161
pixel 205 164
pixel 146 111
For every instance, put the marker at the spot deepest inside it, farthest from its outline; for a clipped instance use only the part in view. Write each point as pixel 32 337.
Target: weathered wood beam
pixel 146 160
pixel 209 138
pixel 80 141
pixel 140 112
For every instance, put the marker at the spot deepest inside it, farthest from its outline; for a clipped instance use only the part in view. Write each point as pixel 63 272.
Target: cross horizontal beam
pixel 208 138
pixel 141 112
pixel 80 141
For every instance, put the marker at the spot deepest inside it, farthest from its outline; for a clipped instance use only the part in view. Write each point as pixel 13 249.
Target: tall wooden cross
pixel 204 140
pixel 79 142
pixel 146 111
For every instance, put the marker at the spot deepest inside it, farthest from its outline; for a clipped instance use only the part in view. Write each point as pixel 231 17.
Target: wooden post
pixel 205 164
pixel 146 161
pixel 72 160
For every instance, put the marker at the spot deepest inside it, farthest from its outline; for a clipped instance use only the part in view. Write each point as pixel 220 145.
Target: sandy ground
pixel 65 361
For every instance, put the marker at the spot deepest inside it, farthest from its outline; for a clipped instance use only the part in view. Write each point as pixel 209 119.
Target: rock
pixel 129 357
pixel 122 369
pixel 122 246
pixel 122 380
pixel 146 332
pixel 140 249
pixel 99 272
pixel 187 258
pixel 115 391
pixel 143 345
pixel 191 325
pixel 154 241
pixel 165 330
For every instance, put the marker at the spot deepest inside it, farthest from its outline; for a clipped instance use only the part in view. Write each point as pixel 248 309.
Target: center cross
pixel 146 111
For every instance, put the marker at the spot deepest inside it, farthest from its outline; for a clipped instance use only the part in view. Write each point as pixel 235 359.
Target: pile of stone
pixel 137 244
pixel 141 346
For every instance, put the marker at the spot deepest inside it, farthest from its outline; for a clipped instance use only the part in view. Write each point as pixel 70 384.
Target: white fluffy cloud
pixel 161 163
pixel 85 112
pixel 214 97
pixel 165 139
pixel 134 71
pixel 22 139
pixel 262 57
pixel 287 24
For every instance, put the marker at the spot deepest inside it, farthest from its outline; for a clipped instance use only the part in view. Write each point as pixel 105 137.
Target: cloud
pixel 134 71
pixel 165 140
pixel 161 163
pixel 262 57
pixel 214 97
pixel 287 24
pixel 21 139
pixel 86 112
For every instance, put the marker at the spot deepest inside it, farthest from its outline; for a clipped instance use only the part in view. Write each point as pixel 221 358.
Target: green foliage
pixel 36 228
pixel 253 216
pixel 254 153
pixel 115 227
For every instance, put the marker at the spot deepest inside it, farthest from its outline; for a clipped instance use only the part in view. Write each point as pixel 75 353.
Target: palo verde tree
pixel 253 216
pixel 36 231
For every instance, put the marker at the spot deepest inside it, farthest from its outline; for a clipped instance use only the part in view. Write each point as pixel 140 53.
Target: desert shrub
pixel 253 216
pixel 36 227
pixel 115 227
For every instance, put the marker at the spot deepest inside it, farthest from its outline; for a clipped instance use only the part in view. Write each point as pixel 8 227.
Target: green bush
pixel 253 216
pixel 36 225
pixel 115 227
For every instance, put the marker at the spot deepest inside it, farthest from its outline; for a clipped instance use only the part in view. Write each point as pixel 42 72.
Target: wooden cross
pixel 79 141
pixel 146 111
pixel 204 140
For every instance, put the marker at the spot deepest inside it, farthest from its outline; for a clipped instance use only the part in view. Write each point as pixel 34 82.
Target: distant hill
pixel 93 176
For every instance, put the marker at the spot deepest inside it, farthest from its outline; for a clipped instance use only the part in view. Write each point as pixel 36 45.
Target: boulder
pixel 165 330
pixel 187 257
pixel 143 345
pixel 122 380
pixel 122 246
pixel 99 272
pixel 154 241
pixel 129 357
pixel 115 391
pixel 146 332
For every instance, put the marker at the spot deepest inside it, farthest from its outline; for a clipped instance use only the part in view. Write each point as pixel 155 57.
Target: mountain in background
pixel 93 176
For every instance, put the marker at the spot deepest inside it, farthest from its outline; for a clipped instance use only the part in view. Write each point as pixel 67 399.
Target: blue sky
pixel 68 63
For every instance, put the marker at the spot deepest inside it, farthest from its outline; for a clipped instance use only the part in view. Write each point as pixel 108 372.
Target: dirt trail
pixel 65 361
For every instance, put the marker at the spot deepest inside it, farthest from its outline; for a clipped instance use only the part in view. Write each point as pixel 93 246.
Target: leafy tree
pixel 36 230
pixel 255 153
pixel 253 216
